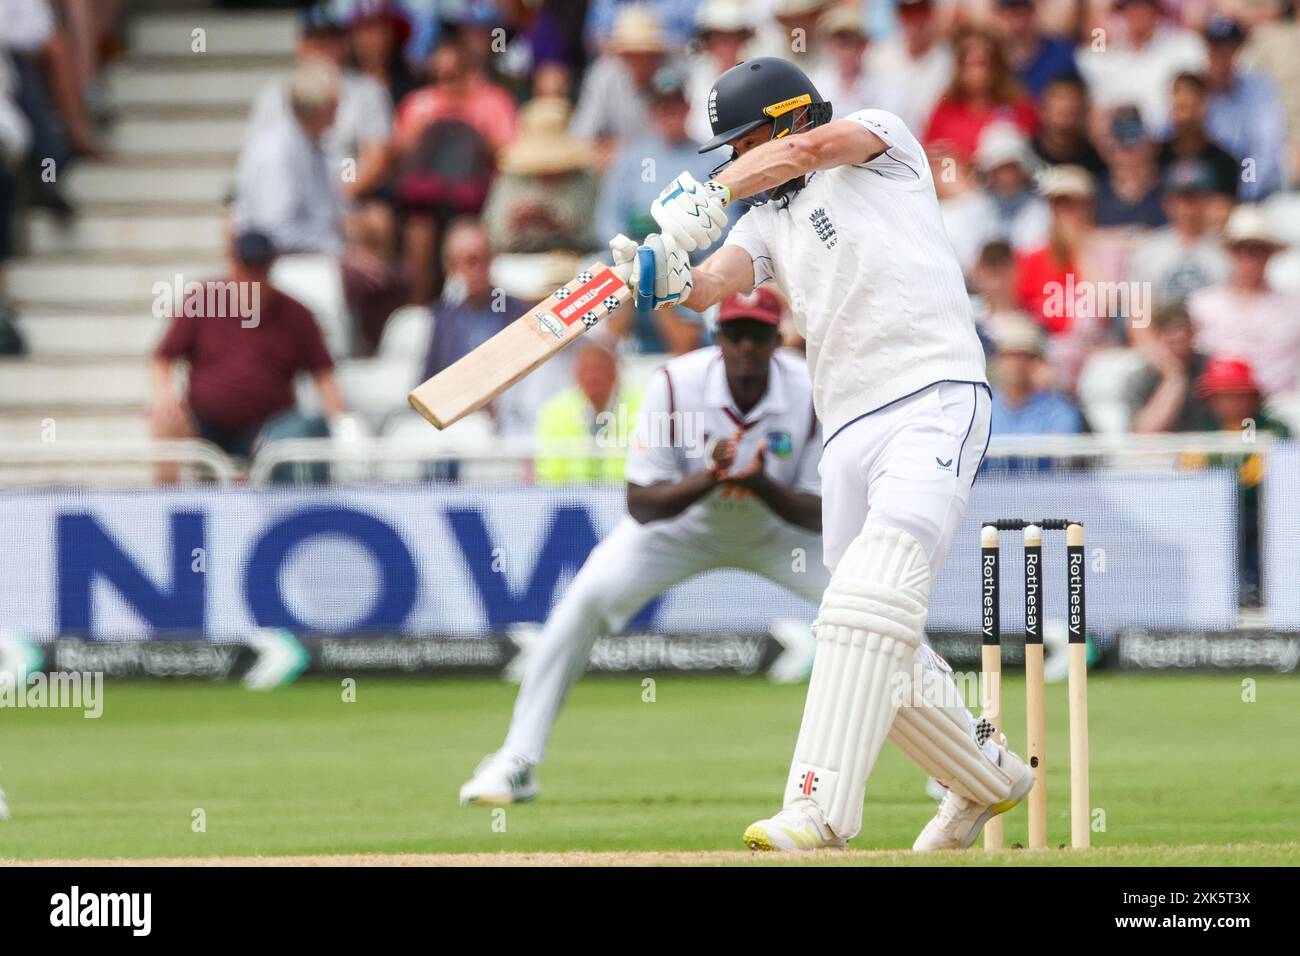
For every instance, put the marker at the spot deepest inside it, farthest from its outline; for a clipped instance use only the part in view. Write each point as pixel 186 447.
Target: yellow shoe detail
pixel 756 839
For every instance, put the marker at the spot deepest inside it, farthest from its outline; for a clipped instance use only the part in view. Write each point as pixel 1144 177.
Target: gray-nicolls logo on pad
pixel 77 909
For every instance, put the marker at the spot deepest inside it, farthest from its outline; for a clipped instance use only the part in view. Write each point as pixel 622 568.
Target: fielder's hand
pixel 692 212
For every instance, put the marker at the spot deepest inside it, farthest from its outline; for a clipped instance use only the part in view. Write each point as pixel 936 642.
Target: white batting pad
pixel 869 625
pixel 938 732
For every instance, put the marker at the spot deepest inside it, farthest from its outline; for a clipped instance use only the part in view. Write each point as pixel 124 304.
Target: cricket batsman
pixel 846 222
pixel 721 473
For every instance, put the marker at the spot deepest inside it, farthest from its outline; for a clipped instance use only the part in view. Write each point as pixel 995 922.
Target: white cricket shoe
pixel 960 821
pixel 794 828
pixel 501 778
pixel 4 807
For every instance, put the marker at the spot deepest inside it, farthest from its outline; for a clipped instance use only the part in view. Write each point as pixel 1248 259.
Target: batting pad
pixel 869 625
pixel 938 733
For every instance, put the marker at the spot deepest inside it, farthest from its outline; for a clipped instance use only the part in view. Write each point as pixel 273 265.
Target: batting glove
pixel 691 212
pixel 672 270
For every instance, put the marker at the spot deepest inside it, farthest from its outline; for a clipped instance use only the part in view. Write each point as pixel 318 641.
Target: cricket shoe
pixel 960 821
pixel 794 828
pixel 501 778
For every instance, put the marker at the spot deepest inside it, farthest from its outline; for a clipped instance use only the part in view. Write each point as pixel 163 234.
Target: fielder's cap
pixel 1064 181
pixel 1223 29
pixel 1250 223
pixel 1016 332
pixel 1223 376
pixel 637 30
pixel 320 18
pixel 761 305
pixel 254 248
pixel 1190 176
pixel 842 20
pixel 1126 126
pixel 724 16
pixel 668 83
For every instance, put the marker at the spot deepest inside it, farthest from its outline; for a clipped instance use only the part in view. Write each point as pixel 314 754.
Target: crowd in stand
pixel 51 103
pixel 1117 177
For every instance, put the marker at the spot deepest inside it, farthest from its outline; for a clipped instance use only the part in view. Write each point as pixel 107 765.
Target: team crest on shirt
pixel 780 444
pixel 823 226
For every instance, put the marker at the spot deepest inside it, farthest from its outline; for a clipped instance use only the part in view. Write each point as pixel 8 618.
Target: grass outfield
pixel 1184 771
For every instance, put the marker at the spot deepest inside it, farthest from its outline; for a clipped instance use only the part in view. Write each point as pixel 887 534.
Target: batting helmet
pixel 764 90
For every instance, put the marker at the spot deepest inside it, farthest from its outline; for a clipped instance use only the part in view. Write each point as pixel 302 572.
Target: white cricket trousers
pixel 633 564
pixel 908 465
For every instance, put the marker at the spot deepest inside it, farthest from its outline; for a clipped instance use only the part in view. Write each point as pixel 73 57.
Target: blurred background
pixel 233 235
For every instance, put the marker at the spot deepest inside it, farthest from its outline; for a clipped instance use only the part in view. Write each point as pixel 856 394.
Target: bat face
pixel 471 382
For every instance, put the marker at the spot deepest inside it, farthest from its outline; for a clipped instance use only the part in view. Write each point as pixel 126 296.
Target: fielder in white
pixel 721 473
pixel 846 222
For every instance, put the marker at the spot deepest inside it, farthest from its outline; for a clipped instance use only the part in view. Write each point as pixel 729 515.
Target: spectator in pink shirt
pixel 1245 318
pixel 456 93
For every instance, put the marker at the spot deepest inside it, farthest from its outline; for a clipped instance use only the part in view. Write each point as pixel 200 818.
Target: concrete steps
pixel 74 281
pixel 221 33
pixel 130 182
pixel 101 229
pixel 219 139
pixel 86 335
pixel 143 85
pixel 35 386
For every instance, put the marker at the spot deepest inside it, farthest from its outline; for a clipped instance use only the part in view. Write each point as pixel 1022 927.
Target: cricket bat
pixel 472 381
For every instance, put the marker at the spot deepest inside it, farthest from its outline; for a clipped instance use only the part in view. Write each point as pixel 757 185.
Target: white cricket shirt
pixel 872 280
pixel 688 405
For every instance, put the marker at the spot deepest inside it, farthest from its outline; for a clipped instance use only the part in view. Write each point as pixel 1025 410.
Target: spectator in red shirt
pixel 1045 275
pixel 241 366
pixel 983 90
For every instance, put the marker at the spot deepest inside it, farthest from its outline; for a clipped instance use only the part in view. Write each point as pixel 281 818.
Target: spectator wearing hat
pixel 240 386
pixel 1161 396
pixel 643 165
pixel 1062 137
pixel 1036 58
pixel 614 104
pixel 1187 255
pixel 983 91
pixel 1245 317
pixel 1043 273
pixel 676 19
pixel 791 33
pixel 1140 65
pixel 1004 160
pixel 918 61
pixel 724 30
pixel 1244 114
pixel 1129 194
pixel 1022 403
pixel 1229 388
pixel 585 414
pixel 544 200
pixel 843 78
pixel 378 31
pixel 1188 139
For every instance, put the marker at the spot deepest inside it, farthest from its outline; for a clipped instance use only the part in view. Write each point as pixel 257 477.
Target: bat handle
pixel 645 285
